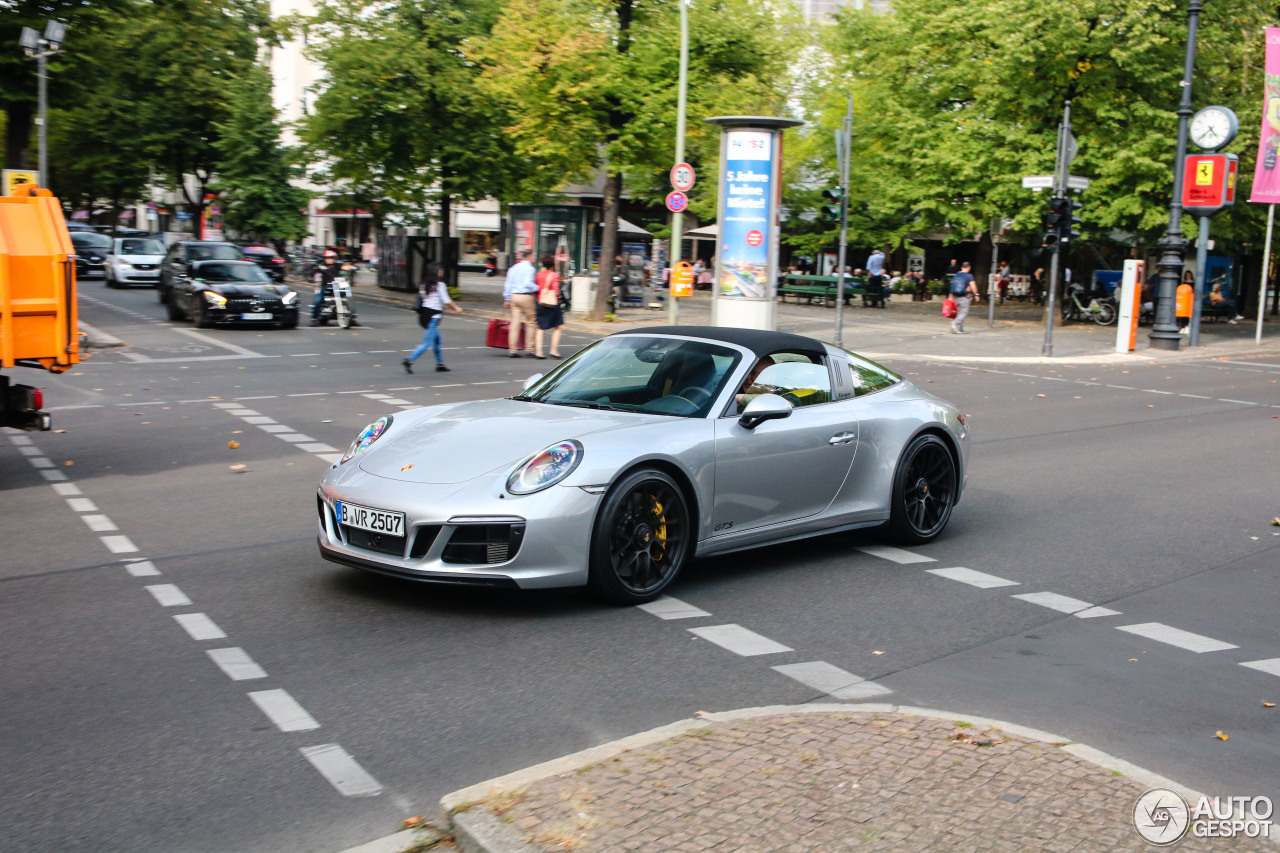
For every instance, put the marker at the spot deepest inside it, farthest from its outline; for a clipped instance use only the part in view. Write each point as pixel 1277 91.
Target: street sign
pixel 682 279
pixel 677 201
pixel 14 178
pixel 682 177
pixel 1208 183
pixel 1044 182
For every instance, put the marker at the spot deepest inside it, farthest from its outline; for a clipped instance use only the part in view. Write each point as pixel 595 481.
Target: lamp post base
pixel 1164 333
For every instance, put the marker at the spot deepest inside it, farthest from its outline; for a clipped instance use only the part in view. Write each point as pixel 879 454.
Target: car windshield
pixel 650 375
pixel 88 240
pixel 216 253
pixel 232 272
pixel 135 246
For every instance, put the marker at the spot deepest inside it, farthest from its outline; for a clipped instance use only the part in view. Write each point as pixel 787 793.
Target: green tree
pixel 401 122
pixel 255 172
pixel 592 85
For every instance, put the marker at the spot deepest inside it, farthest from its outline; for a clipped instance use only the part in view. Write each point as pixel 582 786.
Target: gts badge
pixel 722 527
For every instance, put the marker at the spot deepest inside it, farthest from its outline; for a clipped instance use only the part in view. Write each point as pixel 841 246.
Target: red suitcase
pixel 497 335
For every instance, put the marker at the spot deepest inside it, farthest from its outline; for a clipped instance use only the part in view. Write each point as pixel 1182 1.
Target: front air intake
pixel 483 544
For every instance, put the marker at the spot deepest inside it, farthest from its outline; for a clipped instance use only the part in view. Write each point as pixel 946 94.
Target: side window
pixel 869 377
pixel 801 383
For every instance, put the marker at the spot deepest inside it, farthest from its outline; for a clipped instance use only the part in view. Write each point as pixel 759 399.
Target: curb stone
pixel 476 830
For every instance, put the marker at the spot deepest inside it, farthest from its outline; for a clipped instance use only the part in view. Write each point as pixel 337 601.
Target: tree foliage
pixel 256 173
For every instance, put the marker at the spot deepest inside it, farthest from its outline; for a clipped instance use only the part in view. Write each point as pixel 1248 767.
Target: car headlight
pixel 545 468
pixel 125 265
pixel 289 298
pixel 215 299
pixel 367 436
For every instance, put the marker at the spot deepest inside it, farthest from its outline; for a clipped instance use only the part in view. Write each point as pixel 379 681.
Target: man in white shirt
pixel 518 298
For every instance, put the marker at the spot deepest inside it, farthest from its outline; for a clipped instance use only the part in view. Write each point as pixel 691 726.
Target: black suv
pixel 181 255
pixel 266 257
pixel 91 252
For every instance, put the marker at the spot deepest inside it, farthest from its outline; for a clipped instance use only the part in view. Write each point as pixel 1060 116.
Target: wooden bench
pixel 823 287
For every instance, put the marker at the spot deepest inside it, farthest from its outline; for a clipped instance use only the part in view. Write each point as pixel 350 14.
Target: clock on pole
pixel 1213 128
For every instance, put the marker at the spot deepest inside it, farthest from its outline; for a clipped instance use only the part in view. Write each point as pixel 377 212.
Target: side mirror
pixel 766 407
pixel 532 380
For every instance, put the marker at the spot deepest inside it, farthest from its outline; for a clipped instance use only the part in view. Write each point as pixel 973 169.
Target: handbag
pixel 949 308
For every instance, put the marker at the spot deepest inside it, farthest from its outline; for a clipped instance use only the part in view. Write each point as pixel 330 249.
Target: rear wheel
pixel 641 540
pixel 341 313
pixel 924 491
pixel 1105 315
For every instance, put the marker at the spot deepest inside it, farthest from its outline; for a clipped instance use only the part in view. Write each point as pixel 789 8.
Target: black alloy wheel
pixel 641 540
pixel 203 320
pixel 175 313
pixel 924 491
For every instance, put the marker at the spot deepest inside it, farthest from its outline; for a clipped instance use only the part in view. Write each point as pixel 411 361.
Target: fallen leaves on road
pixel 959 735
pixel 1268 704
pixel 233 444
pixel 1220 736
pixel 1276 521
pixel 877 653
pixel 411 822
pixel 1039 395
pixel 68 463
pixel 59 430
pixel 239 469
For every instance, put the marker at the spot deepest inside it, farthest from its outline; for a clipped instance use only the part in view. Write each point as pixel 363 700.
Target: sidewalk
pixel 813 778
pixel 904 329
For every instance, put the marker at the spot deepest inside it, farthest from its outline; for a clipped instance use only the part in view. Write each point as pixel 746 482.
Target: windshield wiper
pixel 581 404
pixel 525 398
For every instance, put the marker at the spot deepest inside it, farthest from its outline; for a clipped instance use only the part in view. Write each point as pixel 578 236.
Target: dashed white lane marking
pixel 119 544
pixel 1176 637
pixel 1241 402
pixel 342 771
pixel 739 640
pixel 309 394
pixel 831 680
pixel 896 555
pixel 66 490
pixel 20 440
pixel 979 579
pixel 317 448
pixel 1066 604
pixel 259 420
pixel 495 382
pixel 329 457
pixel 31 451
pixel 142 569
pixel 40 461
pixel 237 664
pixel 1196 396
pixel 305 354
pixel 53 476
pixel 275 428
pixel 293 437
pixel 168 595
pixel 221 405
pixel 395 401
pixel 1156 391
pixel 82 505
pixel 99 523
pixel 263 397
pixel 1270 666
pixel 243 413
pixel 200 626
pixel 377 396
pixel 667 607
pixel 283 710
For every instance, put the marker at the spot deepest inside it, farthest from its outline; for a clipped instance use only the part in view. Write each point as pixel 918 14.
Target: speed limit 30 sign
pixel 682 177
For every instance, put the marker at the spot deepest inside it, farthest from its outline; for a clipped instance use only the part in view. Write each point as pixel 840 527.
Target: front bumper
pixel 287 314
pixel 134 275
pixel 447 526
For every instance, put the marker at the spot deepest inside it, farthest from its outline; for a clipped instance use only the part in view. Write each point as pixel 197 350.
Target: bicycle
pixel 1099 310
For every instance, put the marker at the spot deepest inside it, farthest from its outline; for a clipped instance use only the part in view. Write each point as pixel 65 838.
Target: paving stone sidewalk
pixel 835 780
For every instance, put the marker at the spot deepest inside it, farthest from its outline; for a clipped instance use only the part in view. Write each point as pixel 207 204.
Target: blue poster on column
pixel 748 209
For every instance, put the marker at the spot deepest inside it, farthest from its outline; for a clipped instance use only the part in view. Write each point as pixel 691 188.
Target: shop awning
pixel 625 227
pixel 476 220
pixel 706 232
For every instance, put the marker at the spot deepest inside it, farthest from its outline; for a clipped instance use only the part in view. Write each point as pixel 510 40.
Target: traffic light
pixel 1067 229
pixel 1058 218
pixel 835 201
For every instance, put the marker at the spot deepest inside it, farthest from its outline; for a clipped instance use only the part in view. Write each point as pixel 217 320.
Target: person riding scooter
pixel 324 278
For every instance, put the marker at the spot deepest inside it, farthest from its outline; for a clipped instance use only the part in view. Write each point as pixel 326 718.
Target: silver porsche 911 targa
pixel 642 451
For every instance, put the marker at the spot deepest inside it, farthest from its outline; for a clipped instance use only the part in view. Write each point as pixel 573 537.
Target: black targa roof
pixel 758 341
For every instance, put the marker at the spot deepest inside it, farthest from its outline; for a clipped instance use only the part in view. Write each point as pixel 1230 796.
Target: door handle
pixel 841 438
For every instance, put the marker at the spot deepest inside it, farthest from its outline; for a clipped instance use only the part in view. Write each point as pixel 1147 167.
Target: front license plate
pixel 260 315
pixel 373 520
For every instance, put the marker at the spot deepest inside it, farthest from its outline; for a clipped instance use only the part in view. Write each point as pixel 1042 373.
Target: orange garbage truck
pixel 38 323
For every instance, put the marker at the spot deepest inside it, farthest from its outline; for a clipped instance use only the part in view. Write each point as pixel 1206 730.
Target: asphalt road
pixel 1147 491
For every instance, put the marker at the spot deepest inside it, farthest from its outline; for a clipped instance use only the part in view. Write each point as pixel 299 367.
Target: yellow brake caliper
pixel 659 531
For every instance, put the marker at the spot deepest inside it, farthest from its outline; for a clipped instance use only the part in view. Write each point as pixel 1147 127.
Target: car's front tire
pixel 924 491
pixel 175 313
pixel 643 535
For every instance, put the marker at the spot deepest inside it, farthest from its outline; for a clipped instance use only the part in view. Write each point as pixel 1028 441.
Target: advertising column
pixel 745 291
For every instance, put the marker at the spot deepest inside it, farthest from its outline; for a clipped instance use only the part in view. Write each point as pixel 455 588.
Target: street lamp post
pixel 1164 334
pixel 41 47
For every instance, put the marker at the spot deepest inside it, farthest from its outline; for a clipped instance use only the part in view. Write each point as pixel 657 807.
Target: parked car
pixel 639 453
pixel 213 292
pixel 134 260
pixel 182 254
pixel 81 226
pixel 266 257
pixel 91 252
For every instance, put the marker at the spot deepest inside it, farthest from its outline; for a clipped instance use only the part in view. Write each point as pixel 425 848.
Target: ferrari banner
pixel 1266 173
